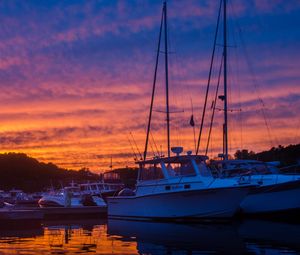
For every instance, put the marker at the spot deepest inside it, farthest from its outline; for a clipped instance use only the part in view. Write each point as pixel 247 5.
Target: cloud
pixel 272 5
pixel 76 77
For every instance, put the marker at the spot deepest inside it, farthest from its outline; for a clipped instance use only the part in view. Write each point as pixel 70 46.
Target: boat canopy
pixel 172 167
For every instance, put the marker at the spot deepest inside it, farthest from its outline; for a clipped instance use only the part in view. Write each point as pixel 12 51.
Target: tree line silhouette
pixel 17 170
pixel 288 155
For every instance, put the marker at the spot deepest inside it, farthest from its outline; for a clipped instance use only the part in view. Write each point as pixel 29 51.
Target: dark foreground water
pixel 133 237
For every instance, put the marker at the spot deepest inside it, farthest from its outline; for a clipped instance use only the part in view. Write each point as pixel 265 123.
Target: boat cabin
pixel 100 187
pixel 172 167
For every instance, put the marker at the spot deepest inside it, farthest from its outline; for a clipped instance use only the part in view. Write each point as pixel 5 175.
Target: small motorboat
pixel 70 197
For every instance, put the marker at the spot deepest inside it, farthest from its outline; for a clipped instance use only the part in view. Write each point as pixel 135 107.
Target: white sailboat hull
pixel 273 198
pixel 205 203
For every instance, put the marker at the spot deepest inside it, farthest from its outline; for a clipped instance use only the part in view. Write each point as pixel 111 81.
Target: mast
pixel 209 78
pixel 167 78
pixel 153 86
pixel 225 129
pixel 111 165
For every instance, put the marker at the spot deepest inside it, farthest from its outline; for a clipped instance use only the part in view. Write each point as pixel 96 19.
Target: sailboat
pixel 176 186
pixel 275 192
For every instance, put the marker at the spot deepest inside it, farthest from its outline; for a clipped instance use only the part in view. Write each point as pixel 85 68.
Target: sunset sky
pixel 76 77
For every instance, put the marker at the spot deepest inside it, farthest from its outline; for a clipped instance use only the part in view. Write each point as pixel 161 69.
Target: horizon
pixel 76 77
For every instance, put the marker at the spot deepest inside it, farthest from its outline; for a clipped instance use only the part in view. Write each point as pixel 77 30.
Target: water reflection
pixel 61 237
pixel 162 238
pixel 269 236
pixel 133 237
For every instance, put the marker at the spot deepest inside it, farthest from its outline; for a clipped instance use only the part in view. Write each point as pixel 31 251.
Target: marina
pixel 149 127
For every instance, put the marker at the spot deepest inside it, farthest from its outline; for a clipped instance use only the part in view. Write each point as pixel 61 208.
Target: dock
pixel 12 214
pixel 49 213
pixel 73 212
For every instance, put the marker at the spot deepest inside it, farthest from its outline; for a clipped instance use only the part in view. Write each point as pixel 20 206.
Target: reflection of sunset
pixel 68 239
pixel 76 79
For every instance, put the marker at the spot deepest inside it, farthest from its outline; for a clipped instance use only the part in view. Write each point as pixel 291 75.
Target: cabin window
pixel 153 172
pixel 172 169
pixel 204 170
pixel 187 169
pixel 180 169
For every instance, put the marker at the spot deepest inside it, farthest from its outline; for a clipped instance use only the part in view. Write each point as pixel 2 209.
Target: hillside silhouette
pixel 17 170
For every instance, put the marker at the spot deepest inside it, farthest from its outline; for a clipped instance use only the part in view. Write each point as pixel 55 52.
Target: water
pixel 132 237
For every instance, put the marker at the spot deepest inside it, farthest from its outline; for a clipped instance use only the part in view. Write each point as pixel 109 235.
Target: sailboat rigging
pixel 224 97
pixel 209 80
pixel 177 186
pixel 276 192
pixel 225 134
pixel 163 22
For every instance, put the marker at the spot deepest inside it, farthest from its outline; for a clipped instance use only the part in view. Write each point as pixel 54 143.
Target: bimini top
pixel 173 159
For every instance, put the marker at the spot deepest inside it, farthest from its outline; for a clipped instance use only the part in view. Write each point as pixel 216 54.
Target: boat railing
pixel 245 178
pixel 290 170
pixel 155 186
pixel 215 171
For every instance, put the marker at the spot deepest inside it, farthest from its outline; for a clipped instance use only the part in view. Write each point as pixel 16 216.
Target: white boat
pixel 276 192
pixel 17 197
pixel 178 187
pixel 101 188
pixel 70 197
pixel 109 185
